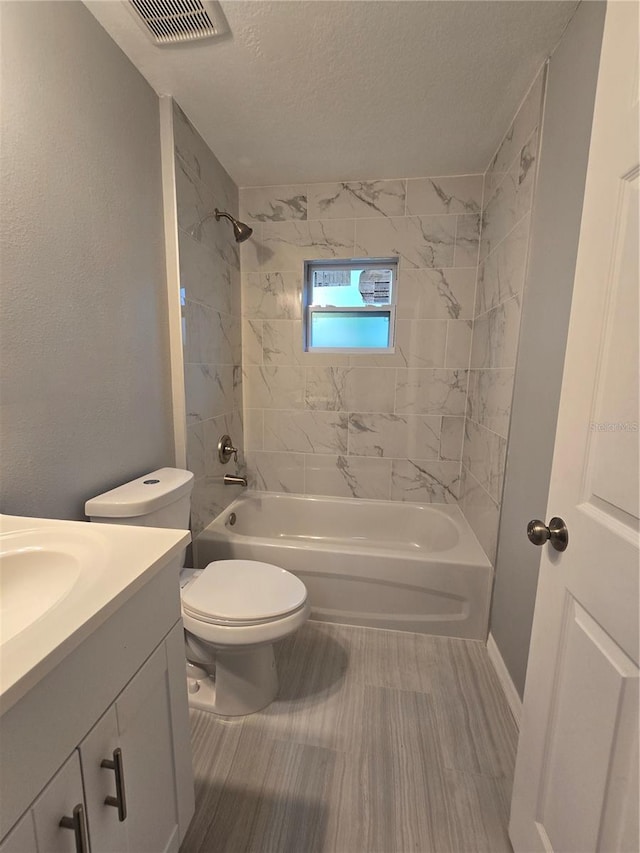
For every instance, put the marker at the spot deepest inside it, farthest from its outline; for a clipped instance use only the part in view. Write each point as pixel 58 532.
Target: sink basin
pixel 38 570
pixel 60 581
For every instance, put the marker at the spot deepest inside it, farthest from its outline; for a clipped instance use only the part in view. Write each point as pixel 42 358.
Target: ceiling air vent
pixel 169 22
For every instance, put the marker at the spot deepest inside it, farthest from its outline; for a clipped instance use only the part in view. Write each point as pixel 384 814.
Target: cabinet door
pixel 62 799
pixel 102 788
pixel 182 757
pixel 22 838
pixel 145 738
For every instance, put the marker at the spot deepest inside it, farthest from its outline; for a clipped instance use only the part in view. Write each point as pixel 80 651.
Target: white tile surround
pixel 372 426
pixel 428 423
pixel 211 325
pixel 508 198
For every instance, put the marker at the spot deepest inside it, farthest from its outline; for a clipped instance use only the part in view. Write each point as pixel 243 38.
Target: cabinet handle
pixel 79 826
pixel 119 801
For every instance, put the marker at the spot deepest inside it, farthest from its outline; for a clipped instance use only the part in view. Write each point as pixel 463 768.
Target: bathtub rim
pixel 451 511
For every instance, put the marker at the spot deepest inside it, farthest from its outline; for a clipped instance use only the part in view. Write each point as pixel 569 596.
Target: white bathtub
pixel 385 564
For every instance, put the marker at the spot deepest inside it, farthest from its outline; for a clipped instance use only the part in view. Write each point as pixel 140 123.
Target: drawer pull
pixel 79 826
pixel 119 801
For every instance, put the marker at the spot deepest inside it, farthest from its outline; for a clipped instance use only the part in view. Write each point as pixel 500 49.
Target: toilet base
pixel 245 681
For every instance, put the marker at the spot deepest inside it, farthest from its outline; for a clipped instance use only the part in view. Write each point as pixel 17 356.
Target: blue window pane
pixel 350 329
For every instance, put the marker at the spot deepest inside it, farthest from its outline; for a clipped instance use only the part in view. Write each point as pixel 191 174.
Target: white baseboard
pixel 508 687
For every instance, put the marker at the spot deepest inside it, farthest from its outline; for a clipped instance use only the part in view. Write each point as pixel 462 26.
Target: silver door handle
pixel 556 533
pixel 119 801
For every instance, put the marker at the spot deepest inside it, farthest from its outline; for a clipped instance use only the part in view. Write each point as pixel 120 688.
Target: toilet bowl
pixel 233 610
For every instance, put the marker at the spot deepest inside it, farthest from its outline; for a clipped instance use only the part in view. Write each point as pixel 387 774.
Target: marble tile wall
pixel 211 320
pixel 383 427
pixel 508 196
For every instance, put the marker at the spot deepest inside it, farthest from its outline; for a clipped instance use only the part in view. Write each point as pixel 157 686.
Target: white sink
pixel 38 570
pixel 60 580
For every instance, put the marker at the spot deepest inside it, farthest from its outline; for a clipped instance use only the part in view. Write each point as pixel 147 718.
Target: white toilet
pixel 233 610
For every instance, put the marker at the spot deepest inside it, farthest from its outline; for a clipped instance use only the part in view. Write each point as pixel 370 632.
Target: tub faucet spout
pixel 234 480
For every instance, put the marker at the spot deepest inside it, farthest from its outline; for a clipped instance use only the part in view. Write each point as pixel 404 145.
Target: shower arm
pixel 241 231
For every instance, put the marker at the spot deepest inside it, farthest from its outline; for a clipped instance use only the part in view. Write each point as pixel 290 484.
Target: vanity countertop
pixel 61 580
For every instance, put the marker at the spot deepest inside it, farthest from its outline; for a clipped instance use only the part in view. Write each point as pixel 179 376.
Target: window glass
pixel 350 329
pixel 351 287
pixel 350 305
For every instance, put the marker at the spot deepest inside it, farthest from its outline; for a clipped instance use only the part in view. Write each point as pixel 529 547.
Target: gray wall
pixel 83 341
pixel 555 230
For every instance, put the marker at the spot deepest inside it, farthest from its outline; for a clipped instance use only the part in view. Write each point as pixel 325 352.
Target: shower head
pixel 241 231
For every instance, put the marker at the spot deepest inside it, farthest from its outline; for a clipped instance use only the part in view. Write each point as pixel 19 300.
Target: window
pixel 350 305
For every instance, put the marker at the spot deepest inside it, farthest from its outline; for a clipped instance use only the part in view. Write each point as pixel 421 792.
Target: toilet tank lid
pixel 142 496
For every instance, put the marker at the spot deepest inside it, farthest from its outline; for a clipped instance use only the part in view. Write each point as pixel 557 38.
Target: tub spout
pixel 234 480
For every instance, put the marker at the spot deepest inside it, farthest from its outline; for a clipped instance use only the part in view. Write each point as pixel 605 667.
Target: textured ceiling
pixel 322 90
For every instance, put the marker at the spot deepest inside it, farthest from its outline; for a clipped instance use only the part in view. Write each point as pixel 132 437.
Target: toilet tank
pixel 159 499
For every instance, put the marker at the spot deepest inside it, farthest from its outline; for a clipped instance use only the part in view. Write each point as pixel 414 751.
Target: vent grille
pixel 174 21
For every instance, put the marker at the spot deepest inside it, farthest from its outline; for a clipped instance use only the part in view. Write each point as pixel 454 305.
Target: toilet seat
pixel 235 623
pixel 242 593
pixel 242 635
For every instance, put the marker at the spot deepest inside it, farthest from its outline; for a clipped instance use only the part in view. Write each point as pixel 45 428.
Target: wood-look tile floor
pixel 379 742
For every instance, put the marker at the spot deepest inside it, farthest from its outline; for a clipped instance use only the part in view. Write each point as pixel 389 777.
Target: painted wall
pixel 506 222
pixel 383 427
pixel 210 281
pixel 555 228
pixel 83 344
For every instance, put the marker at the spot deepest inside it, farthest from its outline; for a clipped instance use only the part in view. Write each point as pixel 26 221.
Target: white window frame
pixel 350 264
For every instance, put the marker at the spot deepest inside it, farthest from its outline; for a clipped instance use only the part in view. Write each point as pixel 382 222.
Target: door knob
pixel 556 533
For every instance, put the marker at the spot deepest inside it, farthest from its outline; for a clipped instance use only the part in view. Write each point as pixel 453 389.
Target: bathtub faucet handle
pixel 226 450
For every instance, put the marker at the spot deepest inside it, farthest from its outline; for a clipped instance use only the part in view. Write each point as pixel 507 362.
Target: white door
pixel 102 787
pixel 145 736
pixel 59 814
pixel 22 838
pixel 576 782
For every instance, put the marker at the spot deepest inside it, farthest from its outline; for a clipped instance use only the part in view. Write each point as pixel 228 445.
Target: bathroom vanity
pixel 94 732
